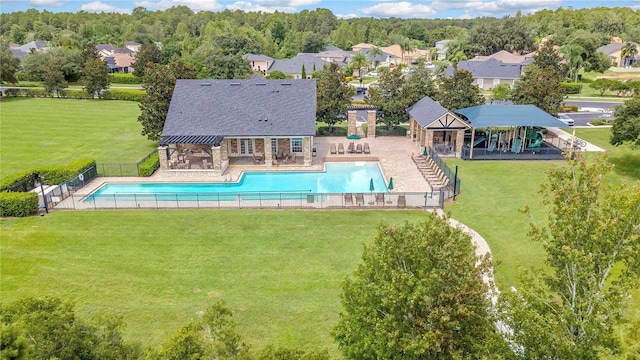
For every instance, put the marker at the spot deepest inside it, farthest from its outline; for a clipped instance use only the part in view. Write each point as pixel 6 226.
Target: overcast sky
pixel 343 8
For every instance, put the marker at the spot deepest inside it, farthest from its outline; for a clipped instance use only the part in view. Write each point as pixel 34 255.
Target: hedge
pixel 19 204
pixel 118 78
pixel 129 95
pixel 147 167
pixel 50 174
pixel 572 87
pixel 337 131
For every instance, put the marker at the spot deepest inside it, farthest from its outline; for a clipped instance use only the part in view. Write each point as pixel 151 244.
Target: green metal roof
pixel 482 116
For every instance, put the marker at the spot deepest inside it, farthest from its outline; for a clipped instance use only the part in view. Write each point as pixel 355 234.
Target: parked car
pixel 373 73
pixel 565 119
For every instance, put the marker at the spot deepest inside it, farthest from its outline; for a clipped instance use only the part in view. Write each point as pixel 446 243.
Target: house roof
pixel 611 48
pixel 23 50
pixel 482 116
pixel 106 47
pixel 376 57
pixel 504 56
pixel 490 68
pixel 426 111
pixel 294 65
pixel 256 57
pixel 359 46
pixel 131 43
pixel 253 107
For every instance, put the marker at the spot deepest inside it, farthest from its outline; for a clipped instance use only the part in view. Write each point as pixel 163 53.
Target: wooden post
pixel 473 137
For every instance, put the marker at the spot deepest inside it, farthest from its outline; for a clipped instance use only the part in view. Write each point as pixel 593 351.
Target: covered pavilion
pixel 511 132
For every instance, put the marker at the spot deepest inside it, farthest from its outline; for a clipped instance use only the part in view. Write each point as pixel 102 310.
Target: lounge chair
pixel 350 149
pixel 366 148
pixel 348 199
pixel 332 149
pixel 402 201
pixel 359 149
pixel 340 148
pixel 379 199
pixel 360 199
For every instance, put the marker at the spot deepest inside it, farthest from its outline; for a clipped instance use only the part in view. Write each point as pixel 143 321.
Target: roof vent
pixel 205 84
pixel 235 84
pixel 285 84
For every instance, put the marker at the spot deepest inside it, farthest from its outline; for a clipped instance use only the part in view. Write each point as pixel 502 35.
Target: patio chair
pixel 360 199
pixel 367 150
pixel 340 148
pixel 359 149
pixel 350 149
pixel 379 199
pixel 332 149
pixel 348 199
pixel 402 201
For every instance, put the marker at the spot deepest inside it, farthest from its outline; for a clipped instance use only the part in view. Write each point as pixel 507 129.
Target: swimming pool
pixel 343 177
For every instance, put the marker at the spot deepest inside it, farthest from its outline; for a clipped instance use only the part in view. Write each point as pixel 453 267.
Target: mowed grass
pixel 280 271
pixel 37 131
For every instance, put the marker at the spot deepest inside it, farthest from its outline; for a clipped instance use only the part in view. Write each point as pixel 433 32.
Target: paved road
pixel 593 104
pixel 581 119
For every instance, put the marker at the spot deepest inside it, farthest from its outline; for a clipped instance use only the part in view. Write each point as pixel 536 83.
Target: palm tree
pixel 629 50
pixel 358 61
pixel 406 45
pixel 372 53
pixel 573 55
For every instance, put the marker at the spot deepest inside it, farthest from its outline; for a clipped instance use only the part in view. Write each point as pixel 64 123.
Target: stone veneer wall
pixel 371 123
pixel 351 122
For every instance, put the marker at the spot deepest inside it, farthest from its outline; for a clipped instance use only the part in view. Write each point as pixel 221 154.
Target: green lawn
pixel 279 271
pixel 38 131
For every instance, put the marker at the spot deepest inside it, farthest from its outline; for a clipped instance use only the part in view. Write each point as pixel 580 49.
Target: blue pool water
pixel 348 177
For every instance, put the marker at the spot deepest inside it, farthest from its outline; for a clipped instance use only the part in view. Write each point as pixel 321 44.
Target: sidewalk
pixel 563 135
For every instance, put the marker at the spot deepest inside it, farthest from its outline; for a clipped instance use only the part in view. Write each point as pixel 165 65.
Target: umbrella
pixel 371 188
pixel 424 153
pixel 353 137
pixel 390 187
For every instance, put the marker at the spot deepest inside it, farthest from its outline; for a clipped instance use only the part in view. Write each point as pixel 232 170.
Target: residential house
pixel 20 51
pixel 489 73
pixel 334 55
pixel 384 59
pixel 259 63
pixel 614 52
pixel 360 46
pixel 441 49
pixel 120 63
pixel 406 57
pixel 433 126
pixel 214 123
pixel 133 46
pixel 105 50
pixel 507 57
pixel 293 66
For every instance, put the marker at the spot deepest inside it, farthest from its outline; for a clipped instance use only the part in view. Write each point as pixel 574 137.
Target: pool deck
pixel 392 152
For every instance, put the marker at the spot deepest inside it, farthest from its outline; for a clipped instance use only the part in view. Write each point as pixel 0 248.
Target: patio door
pixel 246 147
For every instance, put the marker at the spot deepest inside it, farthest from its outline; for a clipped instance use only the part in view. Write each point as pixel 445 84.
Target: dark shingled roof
pixel 490 68
pixel 256 57
pixel 426 111
pixel 294 65
pixel 254 107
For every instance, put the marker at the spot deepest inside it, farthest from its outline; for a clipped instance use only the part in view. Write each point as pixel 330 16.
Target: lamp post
pixel 44 198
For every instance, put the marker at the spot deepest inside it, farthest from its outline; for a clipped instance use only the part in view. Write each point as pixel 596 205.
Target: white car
pixel 565 119
pixel 373 73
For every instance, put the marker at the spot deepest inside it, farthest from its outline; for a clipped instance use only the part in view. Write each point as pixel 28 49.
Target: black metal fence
pixel 454 188
pixel 56 194
pixel 121 169
pixel 260 200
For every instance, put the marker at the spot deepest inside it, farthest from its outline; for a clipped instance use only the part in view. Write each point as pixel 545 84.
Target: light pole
pixel 44 198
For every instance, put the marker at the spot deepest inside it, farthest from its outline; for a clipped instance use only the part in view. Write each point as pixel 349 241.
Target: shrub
pixel 570 108
pixel 51 175
pixel 119 78
pixel 148 166
pixel 76 94
pixel 23 76
pixel 19 204
pixel 20 181
pixel 600 122
pixel 129 95
pixel 572 87
pixel 382 130
pixel 337 131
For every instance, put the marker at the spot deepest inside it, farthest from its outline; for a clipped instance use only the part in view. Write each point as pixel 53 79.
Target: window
pixel 296 145
pixel 246 146
pixel 274 146
pixel 480 83
pixel 496 82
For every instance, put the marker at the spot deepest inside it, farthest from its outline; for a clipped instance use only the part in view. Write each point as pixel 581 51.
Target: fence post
pixel 455 183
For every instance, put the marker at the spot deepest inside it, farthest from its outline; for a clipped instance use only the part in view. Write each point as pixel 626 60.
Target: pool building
pixel 214 123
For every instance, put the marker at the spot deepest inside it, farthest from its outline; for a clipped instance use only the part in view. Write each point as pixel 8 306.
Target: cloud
pixel 287 3
pixel 499 7
pixel 98 6
pixel 37 3
pixel 247 6
pixel 347 16
pixel 399 9
pixel 195 5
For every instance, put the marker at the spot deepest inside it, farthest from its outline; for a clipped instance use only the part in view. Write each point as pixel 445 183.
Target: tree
pixel 53 80
pixel 312 42
pixel 501 92
pixel 540 84
pixel 569 310
pixel 627 53
pixel 221 66
pixel 277 75
pixel 149 53
pixel 419 83
pixel 358 61
pixel 373 52
pixel 159 82
pixel 406 45
pixel 388 97
pixel 626 127
pixel 459 91
pixel 418 294
pixel 575 55
pixel 602 85
pixel 333 95
pixel 303 73
pixel 95 76
pixel 9 64
pixel 69 61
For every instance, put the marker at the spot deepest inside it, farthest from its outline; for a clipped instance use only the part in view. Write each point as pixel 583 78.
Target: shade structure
pixel 390 187
pixel 353 137
pixel 482 116
pixel 371 187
